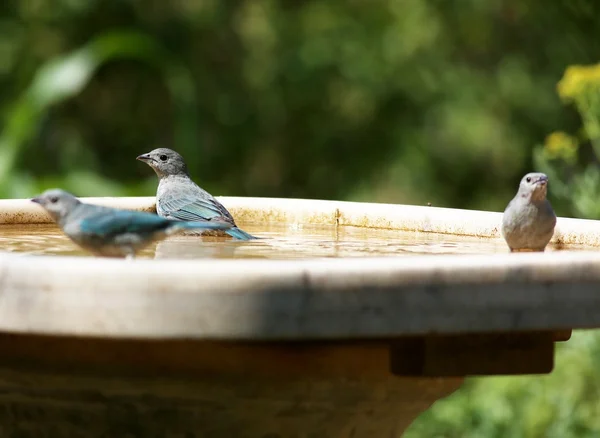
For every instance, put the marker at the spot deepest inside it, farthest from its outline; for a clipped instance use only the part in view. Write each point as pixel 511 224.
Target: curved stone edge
pixel 254 300
pixel 458 222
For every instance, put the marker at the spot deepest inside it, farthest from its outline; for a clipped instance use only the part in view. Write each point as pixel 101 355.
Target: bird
pixel 111 232
pixel 528 221
pixel 180 198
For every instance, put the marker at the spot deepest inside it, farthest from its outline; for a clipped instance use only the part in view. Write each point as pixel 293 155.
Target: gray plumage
pixel 528 221
pixel 111 232
pixel 180 198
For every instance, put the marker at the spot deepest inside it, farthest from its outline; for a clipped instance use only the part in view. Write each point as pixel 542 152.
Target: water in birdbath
pixel 279 241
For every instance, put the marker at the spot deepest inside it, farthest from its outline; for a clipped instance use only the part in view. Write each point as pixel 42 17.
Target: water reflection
pixel 279 241
pixel 192 247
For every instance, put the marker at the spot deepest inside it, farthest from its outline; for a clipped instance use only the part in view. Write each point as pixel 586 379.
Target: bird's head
pixel 534 186
pixel 58 203
pixel 165 162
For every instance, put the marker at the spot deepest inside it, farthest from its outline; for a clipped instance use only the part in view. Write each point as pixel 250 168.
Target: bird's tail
pixel 236 233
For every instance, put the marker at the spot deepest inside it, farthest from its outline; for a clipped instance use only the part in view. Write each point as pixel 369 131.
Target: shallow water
pixel 279 241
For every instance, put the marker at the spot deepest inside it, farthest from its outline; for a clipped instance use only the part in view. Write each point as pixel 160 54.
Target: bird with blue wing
pixel 179 198
pixel 111 232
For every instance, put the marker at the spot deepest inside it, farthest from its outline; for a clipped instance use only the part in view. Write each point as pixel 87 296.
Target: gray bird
pixel 180 198
pixel 111 232
pixel 529 220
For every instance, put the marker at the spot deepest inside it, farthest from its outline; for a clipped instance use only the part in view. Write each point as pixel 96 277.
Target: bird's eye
pixel 54 199
pixel 528 179
pixel 163 158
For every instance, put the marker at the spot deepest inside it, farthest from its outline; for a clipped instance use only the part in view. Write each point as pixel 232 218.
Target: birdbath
pixel 318 347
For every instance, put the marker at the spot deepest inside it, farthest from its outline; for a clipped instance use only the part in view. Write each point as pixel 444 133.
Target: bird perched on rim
pixel 111 232
pixel 180 198
pixel 529 220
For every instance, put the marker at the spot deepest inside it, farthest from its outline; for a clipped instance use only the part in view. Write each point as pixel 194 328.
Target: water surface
pixel 280 241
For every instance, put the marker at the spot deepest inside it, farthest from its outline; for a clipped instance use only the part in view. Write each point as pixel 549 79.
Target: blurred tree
pixel 409 101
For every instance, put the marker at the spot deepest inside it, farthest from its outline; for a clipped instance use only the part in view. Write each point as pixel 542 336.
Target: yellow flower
pixel 577 79
pixel 560 145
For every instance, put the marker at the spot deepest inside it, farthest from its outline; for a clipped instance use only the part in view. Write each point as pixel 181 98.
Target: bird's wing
pixel 188 208
pixel 122 221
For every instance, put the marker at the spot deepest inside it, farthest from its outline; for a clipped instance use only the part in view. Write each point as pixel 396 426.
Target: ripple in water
pixel 279 241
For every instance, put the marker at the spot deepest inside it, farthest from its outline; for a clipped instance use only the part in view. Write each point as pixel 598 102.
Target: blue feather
pixel 187 209
pixel 212 225
pixel 123 221
pixel 115 222
pixel 240 234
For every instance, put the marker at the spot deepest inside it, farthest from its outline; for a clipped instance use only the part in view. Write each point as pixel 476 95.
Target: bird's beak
pixel 543 180
pixel 36 200
pixel 145 158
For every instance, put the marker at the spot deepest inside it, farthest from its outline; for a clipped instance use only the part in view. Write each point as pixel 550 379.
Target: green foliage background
pixel 409 101
pixel 564 404
pixel 403 101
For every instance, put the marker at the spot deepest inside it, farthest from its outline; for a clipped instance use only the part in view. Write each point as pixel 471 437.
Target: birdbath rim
pixel 324 299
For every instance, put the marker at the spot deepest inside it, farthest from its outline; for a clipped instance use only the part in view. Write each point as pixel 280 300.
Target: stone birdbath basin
pixel 297 347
